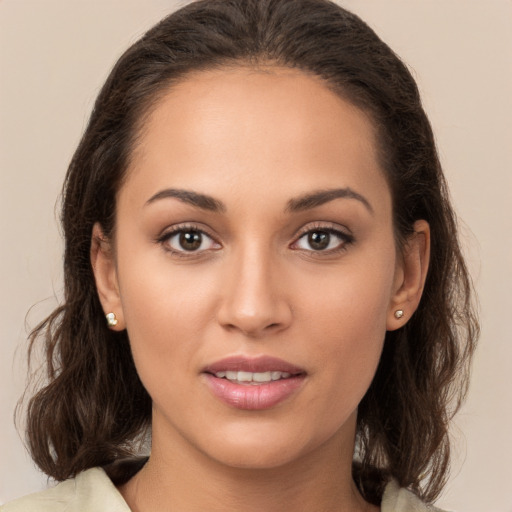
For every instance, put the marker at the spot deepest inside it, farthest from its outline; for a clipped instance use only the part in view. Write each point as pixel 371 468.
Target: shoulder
pixel 396 499
pixel 90 491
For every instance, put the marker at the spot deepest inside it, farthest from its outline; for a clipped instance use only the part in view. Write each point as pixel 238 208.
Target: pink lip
pixel 253 397
pixel 253 364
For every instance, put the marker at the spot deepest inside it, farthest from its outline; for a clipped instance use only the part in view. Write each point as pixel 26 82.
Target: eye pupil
pixel 319 240
pixel 190 240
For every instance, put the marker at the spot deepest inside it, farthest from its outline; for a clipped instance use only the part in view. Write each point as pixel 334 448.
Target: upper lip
pixel 258 364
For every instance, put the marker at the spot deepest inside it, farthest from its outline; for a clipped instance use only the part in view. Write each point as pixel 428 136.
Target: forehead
pixel 222 127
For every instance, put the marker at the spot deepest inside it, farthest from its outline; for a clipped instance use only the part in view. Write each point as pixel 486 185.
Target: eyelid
pixel 171 231
pixel 325 226
pixel 342 232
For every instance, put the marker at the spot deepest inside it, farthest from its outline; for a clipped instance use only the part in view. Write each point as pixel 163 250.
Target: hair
pixel 93 409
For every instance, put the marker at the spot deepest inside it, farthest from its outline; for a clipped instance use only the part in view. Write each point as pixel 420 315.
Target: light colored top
pixel 93 491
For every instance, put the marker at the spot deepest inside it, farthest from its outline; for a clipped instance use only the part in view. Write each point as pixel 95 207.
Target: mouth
pixel 252 378
pixel 253 383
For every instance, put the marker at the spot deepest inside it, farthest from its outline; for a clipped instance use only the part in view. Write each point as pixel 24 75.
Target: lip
pixel 253 364
pixel 253 397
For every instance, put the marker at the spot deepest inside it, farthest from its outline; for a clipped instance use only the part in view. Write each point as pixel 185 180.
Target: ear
pixel 410 275
pixel 105 274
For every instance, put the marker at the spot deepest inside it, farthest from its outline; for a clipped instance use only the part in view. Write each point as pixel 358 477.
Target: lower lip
pixel 254 397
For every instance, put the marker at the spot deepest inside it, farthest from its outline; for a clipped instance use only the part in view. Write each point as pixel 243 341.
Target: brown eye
pixel 190 240
pixel 323 240
pixel 319 240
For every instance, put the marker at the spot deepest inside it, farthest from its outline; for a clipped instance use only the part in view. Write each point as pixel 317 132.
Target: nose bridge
pixel 253 302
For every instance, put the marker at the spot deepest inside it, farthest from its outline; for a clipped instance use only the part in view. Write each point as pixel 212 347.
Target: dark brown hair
pixel 93 407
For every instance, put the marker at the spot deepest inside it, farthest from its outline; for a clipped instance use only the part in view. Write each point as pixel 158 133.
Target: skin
pixel 255 139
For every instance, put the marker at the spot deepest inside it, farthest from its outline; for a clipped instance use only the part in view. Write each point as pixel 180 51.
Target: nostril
pixel 255 314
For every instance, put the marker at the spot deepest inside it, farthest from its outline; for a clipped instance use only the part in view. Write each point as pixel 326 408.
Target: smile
pixel 253 378
pixel 253 383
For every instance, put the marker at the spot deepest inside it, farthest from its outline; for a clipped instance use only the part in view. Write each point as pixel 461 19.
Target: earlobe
pixel 105 275
pixel 410 276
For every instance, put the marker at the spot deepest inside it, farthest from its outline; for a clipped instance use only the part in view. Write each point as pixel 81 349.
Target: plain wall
pixel 54 56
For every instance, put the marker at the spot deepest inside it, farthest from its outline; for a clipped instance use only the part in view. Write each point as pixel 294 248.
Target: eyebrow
pixel 202 201
pixel 320 197
pixel 302 203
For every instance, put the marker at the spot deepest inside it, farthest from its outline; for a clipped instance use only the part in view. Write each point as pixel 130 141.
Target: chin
pixel 260 448
pixel 256 458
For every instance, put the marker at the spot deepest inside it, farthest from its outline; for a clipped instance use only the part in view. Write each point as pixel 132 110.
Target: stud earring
pixel 111 319
pixel 399 313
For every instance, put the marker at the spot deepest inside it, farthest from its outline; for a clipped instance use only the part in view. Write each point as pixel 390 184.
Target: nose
pixel 254 295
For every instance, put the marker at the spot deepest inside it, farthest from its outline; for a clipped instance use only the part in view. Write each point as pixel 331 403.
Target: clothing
pixel 93 491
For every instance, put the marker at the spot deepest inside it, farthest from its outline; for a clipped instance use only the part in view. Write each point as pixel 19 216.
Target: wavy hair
pixel 92 408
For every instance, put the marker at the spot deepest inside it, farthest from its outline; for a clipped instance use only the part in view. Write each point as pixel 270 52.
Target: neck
pixel 177 480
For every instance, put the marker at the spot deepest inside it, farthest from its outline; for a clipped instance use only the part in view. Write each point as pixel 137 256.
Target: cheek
pixel 351 335
pixel 355 298
pixel 347 319
pixel 165 309
pixel 158 293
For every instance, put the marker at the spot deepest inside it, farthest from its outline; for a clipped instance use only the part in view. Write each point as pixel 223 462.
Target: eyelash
pixel 183 228
pixel 345 239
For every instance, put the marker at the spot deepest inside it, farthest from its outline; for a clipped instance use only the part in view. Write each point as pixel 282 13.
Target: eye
pixel 188 240
pixel 323 240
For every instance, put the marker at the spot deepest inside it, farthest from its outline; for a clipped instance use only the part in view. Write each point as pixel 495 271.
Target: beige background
pixel 54 55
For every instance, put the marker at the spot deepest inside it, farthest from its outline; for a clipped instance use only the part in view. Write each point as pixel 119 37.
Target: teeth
pixel 254 377
pixel 262 377
pixel 280 375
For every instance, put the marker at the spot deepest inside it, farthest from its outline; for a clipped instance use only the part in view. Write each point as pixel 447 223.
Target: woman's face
pixel 254 235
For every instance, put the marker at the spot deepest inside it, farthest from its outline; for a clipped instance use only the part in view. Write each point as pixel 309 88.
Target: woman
pixel 262 276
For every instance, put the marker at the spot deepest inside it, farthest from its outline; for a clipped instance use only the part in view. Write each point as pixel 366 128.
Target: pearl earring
pixel 111 319
pixel 399 313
